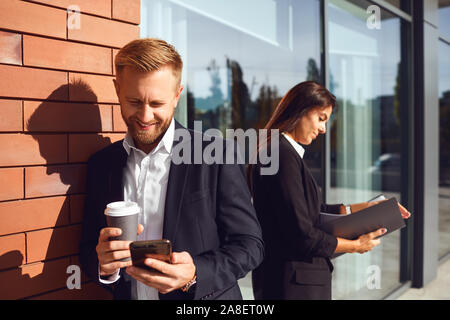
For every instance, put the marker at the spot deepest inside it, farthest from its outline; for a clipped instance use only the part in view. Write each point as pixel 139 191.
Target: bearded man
pixel 205 210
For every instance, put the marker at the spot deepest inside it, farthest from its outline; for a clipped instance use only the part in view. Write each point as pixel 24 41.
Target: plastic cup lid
pixel 122 208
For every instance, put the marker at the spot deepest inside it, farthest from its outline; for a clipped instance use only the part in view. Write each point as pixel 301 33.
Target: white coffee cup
pixel 123 215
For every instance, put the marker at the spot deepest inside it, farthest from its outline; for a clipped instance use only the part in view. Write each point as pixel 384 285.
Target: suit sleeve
pixel 301 236
pixel 331 208
pixel 241 247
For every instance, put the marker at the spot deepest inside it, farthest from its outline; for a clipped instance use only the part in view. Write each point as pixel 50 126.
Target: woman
pixel 297 263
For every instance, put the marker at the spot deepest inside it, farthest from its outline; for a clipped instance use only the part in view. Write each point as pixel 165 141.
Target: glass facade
pixel 241 57
pixel 444 18
pixel 444 129
pixel 365 136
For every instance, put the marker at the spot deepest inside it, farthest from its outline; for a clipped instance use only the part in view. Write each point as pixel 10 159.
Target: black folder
pixel 383 215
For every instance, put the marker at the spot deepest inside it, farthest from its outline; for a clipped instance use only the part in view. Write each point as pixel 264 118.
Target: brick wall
pixel 57 107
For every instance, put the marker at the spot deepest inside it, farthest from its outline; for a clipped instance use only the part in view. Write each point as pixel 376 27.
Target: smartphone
pixel 155 249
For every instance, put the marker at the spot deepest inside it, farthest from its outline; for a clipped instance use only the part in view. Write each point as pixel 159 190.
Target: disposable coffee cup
pixel 123 215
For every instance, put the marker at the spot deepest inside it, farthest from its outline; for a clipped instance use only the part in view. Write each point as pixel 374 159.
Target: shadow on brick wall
pixel 50 250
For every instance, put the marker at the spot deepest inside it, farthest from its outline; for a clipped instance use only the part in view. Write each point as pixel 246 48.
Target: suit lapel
pixel 175 191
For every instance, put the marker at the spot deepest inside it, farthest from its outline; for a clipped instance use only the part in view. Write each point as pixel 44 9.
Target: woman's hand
pixel 364 243
pixel 405 213
pixel 368 241
pixel 363 205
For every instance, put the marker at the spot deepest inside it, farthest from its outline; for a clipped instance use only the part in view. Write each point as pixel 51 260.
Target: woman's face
pixel 311 125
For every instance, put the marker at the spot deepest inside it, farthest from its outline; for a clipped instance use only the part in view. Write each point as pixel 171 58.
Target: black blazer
pixel 208 213
pixel 297 264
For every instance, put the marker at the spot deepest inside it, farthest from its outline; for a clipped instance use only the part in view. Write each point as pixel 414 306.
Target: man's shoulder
pixel 109 152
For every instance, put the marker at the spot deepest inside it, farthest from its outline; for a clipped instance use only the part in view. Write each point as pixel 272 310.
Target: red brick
pixel 118 124
pixel 34 279
pixel 32 83
pixel 24 149
pixel 127 10
pixel 67 117
pixel 10 48
pixel 12 251
pixel 82 146
pixel 102 86
pixel 76 208
pixel 10 115
pixel 11 183
pixel 88 291
pixel 33 18
pixel 104 32
pixel 54 180
pixel 97 7
pixel 53 243
pixel 25 215
pixel 64 55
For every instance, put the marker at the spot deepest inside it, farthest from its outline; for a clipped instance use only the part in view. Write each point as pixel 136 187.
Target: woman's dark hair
pixel 297 101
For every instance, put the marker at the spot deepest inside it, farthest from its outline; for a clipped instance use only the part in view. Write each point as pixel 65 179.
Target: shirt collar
pixel 300 150
pixel 166 142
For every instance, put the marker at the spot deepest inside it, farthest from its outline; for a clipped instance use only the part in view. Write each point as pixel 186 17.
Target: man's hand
pixel 110 253
pixel 171 276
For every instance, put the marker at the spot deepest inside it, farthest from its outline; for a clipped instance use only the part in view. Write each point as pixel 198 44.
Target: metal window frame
pixel 393 9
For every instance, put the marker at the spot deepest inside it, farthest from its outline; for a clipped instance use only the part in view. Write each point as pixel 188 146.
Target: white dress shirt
pixel 300 150
pixel 145 182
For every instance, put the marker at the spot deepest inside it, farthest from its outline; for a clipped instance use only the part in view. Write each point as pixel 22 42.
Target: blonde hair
pixel 149 54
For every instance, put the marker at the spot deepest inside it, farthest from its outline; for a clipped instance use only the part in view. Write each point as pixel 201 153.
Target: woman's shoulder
pixel 287 152
pixel 282 153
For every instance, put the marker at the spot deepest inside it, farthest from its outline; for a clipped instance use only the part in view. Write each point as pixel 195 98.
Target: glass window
pixel 444 18
pixel 444 140
pixel 240 58
pixel 365 140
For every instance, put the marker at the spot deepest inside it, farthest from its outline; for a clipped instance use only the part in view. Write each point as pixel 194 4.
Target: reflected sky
pixel 444 21
pixel 444 67
pixel 371 52
pixel 270 40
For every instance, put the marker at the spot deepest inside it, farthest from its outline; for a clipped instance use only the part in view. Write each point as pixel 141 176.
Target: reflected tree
pixel 240 96
pixel 312 71
pixel 444 156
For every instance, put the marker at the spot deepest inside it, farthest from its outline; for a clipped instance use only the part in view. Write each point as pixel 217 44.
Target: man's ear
pixel 180 89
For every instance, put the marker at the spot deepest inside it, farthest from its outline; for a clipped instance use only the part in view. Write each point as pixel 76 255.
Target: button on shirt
pixel 145 182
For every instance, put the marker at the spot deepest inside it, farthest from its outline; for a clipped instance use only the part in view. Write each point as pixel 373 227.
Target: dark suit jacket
pixel 297 264
pixel 208 213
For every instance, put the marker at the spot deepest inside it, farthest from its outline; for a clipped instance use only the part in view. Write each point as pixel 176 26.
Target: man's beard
pixel 147 137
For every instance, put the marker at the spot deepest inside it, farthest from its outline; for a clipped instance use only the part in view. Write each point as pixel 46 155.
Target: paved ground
pixel 438 289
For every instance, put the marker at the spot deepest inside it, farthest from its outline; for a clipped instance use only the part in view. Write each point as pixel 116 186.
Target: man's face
pixel 147 102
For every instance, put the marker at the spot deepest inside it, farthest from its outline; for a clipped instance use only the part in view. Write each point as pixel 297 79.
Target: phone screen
pixel 155 249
